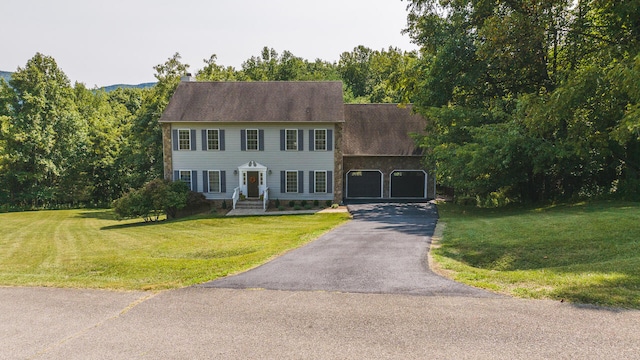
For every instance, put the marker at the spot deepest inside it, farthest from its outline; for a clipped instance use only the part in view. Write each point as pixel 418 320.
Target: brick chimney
pixel 188 78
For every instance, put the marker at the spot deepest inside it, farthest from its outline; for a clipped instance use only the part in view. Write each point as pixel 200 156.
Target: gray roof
pixel 269 101
pixel 380 130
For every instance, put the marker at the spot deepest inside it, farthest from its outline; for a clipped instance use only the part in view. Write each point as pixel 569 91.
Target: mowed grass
pixel 582 253
pixel 90 249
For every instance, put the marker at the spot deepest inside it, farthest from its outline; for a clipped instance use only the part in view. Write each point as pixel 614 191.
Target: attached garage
pixel 408 184
pixel 380 157
pixel 364 184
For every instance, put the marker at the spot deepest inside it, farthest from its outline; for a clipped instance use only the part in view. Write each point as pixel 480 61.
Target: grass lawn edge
pixel 506 283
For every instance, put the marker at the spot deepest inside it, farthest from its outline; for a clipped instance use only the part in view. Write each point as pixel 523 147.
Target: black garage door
pixel 408 184
pixel 364 184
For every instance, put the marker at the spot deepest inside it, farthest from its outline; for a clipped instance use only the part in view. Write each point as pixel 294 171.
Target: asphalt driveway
pixel 382 250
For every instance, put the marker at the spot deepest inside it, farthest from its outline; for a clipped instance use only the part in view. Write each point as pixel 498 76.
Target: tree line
pixel 530 100
pixel 526 101
pixel 67 145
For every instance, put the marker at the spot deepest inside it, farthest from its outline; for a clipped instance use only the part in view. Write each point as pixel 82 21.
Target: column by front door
pixel 253 190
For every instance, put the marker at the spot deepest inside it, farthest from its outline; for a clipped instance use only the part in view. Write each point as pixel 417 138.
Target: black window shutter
pixel 205 181
pixel 176 175
pixel 204 141
pixel 261 140
pixel 194 180
pixel 282 140
pixel 312 143
pixel 243 140
pixel 193 140
pixel 221 139
pixel 300 140
pixel 312 185
pixel 283 184
pixel 330 182
pixel 223 181
pixel 175 139
pixel 329 139
pixel 301 182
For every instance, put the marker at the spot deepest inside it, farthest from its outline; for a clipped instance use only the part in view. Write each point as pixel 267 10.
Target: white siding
pixel 272 157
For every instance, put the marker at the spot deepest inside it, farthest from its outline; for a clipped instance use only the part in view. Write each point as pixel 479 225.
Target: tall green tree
pixel 43 134
pixel 527 98
pixel 215 72
pixel 271 66
pixel 378 76
pixel 99 167
pixel 144 137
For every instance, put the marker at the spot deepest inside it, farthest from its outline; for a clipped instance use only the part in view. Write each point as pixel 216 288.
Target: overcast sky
pixel 105 42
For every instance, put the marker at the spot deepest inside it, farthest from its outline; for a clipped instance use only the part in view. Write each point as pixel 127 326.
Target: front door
pixel 253 190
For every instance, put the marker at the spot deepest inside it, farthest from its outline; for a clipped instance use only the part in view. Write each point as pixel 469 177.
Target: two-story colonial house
pixel 290 141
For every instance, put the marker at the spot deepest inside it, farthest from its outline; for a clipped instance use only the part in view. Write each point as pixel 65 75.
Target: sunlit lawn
pixel 584 253
pixel 90 249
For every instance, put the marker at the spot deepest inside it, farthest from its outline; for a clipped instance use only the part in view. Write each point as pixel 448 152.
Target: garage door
pixel 364 184
pixel 408 184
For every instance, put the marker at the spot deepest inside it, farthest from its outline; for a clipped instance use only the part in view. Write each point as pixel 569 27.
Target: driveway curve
pixel 383 250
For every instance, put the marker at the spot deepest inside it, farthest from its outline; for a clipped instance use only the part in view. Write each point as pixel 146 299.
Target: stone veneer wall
pixel 167 151
pixel 338 177
pixel 387 164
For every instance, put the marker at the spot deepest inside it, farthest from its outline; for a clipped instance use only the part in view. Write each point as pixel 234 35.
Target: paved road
pixel 382 250
pixel 205 323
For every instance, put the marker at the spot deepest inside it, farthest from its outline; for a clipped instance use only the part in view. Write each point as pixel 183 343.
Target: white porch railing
pixel 236 196
pixel 265 199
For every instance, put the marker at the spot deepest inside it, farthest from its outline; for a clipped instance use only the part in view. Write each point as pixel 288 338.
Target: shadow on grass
pixel 141 222
pixel 105 214
pixel 609 295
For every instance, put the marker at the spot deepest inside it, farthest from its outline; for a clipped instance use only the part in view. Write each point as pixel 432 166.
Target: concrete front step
pixel 249 205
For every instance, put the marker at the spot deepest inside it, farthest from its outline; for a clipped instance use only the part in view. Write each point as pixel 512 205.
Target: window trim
pixel 315 139
pixel 219 181
pixel 315 181
pixel 190 172
pixel 286 182
pixel 295 142
pixel 208 139
pixel 189 147
pixel 246 145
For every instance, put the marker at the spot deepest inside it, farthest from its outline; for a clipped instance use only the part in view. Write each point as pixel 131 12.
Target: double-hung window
pixel 320 183
pixel 214 181
pixel 185 177
pixel 291 139
pixel 184 139
pixel 213 139
pixel 291 181
pixel 320 139
pixel 252 139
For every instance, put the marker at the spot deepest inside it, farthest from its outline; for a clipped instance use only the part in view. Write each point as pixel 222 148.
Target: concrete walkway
pixel 258 212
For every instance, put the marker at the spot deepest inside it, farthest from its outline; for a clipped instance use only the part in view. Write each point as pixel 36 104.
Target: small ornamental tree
pixel 155 198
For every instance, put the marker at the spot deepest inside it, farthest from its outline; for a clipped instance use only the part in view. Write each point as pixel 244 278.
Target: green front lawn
pixel 89 248
pixel 584 253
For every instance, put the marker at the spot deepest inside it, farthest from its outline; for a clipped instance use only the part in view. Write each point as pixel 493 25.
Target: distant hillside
pixel 6 75
pixel 126 86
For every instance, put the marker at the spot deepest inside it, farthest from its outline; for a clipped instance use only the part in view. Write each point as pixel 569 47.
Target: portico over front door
pixel 253 190
pixel 253 179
